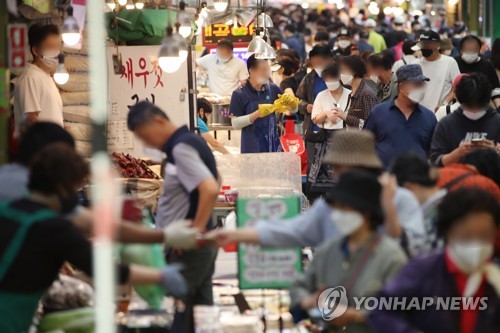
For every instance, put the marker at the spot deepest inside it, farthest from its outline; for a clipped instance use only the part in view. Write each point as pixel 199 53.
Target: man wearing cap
pixel 351 150
pixel 375 39
pixel 343 44
pixel 439 68
pixel 403 125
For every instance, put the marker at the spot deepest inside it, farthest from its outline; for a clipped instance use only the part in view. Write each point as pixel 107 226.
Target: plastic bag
pixel 150 255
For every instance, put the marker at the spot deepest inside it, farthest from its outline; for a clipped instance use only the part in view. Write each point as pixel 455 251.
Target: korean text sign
pixel 218 31
pixel 259 267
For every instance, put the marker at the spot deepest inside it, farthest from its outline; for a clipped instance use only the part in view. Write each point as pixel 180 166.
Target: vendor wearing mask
pixel 253 107
pixel 225 71
pixel 35 240
pixel 36 96
pixel 439 68
pixel 468 220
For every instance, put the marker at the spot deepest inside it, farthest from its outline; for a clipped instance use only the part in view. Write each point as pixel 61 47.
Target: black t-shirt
pixel 46 247
pixel 482 66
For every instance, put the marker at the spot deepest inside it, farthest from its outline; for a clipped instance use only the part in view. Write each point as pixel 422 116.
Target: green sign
pixel 272 268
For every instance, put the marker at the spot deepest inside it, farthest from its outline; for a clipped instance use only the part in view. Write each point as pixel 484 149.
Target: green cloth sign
pixel 272 268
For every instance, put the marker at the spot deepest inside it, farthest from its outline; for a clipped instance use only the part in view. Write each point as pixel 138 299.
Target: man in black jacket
pixel 474 125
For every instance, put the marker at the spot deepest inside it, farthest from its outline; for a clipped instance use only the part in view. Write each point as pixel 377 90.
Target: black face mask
pixel 427 52
pixel 69 203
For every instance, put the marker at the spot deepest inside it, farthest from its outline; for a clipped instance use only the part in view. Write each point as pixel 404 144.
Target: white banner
pixel 142 80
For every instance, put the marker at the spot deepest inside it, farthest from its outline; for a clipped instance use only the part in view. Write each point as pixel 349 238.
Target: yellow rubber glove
pixel 266 109
pixel 286 102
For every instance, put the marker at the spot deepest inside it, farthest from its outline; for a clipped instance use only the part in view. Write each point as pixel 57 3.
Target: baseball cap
pixel 399 20
pixel 344 32
pixel 411 72
pixel 370 23
pixel 427 36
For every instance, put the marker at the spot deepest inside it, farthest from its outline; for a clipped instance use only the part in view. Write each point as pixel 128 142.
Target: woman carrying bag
pixel 328 102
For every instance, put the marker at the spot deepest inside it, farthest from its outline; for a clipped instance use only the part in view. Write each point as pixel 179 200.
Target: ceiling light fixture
pixel 70 29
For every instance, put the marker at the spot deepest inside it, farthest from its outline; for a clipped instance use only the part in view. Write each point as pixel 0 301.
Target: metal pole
pixel 4 85
pixel 191 88
pixel 104 192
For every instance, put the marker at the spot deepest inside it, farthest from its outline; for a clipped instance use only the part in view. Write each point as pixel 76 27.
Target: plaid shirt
pixel 360 105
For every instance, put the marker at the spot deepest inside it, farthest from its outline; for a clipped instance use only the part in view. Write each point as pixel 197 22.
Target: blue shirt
pixel 363 46
pixel 294 44
pixel 202 126
pixel 396 135
pixel 262 136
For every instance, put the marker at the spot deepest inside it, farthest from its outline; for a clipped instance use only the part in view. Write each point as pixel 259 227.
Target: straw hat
pixel 353 148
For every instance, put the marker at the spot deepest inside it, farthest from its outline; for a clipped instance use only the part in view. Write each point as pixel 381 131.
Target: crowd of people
pixel 403 173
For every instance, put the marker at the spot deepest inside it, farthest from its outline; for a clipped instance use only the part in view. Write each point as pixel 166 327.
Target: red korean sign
pixel 17 44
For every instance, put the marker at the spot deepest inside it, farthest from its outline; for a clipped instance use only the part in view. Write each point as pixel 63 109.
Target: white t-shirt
pixel 325 102
pixel 441 73
pixel 36 91
pixel 405 60
pixel 223 77
pixel 441 112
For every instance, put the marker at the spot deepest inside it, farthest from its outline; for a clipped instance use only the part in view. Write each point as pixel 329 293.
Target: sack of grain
pixel 77 114
pixel 79 131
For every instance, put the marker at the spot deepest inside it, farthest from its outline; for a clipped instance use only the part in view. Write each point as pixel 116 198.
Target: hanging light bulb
pixel 257 45
pixel 185 29
pixel 183 47
pixel 130 5
pixel 139 4
pixel 122 2
pixel 111 4
pixel 70 30
pixel 268 53
pixel 172 52
pixel 61 75
pixel 264 21
pixel 220 5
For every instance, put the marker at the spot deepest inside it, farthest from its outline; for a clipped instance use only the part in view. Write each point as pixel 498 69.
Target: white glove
pixel 180 235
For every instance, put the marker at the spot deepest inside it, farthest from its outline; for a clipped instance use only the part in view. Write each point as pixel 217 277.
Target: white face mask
pixel 374 78
pixel 346 221
pixel 470 57
pixel 50 59
pixel 416 95
pixel 346 78
pixel 469 256
pixel 343 44
pixel 474 115
pixel 319 70
pixel 332 85
pixel 222 59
